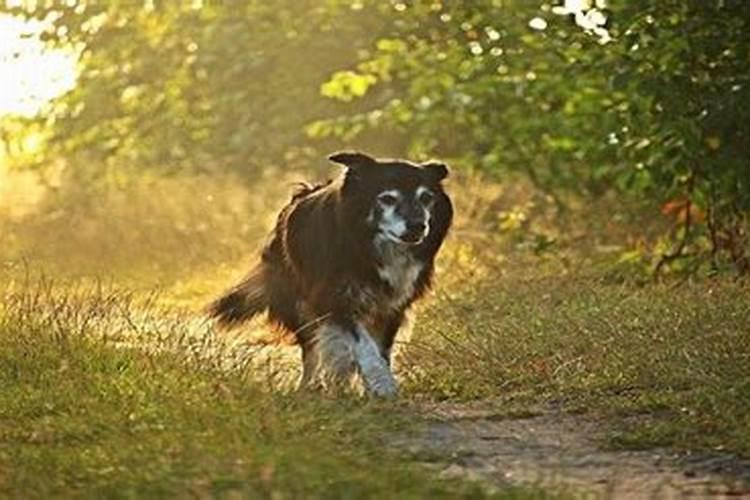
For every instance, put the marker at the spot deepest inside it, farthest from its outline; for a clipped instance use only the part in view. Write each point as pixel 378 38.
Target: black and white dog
pixel 344 263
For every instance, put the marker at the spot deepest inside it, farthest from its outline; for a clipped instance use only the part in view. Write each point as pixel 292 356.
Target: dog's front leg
pixel 375 370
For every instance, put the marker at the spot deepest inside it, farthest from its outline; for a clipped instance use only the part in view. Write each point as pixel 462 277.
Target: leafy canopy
pixel 651 99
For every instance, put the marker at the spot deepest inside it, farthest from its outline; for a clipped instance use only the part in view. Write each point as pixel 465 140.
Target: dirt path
pixel 563 451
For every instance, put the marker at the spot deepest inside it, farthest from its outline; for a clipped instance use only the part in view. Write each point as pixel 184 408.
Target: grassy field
pixel 665 365
pixel 80 416
pixel 107 391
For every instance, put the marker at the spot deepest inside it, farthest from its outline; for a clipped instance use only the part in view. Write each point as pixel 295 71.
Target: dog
pixel 344 263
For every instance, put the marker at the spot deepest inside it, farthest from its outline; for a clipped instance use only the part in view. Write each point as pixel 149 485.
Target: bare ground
pixel 563 452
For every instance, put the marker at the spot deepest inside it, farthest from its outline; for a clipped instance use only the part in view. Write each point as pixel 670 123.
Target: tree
pixel 650 99
pixel 656 105
pixel 174 85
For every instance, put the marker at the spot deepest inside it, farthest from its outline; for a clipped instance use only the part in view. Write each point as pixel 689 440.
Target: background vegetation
pixel 645 101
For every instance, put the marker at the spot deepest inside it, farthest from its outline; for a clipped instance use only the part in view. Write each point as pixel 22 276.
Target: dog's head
pixel 400 200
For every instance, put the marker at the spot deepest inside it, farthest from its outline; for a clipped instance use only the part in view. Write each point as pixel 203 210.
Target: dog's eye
pixel 387 199
pixel 426 198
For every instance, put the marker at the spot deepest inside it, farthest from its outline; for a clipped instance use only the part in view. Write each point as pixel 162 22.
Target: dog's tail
pixel 242 302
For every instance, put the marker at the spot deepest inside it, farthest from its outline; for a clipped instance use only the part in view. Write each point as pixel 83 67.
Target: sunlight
pixel 589 15
pixel 30 73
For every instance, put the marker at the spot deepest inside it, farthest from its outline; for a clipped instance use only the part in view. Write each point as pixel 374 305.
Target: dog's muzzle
pixel 415 233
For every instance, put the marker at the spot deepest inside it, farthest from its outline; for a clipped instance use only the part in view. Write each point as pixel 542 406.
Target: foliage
pixel 177 85
pixel 657 106
pixel 687 134
pixel 651 99
pixel 472 81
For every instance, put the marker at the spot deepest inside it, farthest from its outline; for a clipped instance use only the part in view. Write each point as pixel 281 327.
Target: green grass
pixel 80 417
pixel 664 365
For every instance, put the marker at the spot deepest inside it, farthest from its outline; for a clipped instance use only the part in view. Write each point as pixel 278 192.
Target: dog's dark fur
pixel 327 263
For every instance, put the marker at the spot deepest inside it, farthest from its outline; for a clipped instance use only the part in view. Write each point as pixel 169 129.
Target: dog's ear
pixel 352 159
pixel 435 170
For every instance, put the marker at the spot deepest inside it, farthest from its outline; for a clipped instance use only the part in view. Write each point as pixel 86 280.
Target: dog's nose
pixel 416 227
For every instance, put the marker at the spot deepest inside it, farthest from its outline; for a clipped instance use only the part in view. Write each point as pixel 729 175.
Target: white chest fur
pixel 400 270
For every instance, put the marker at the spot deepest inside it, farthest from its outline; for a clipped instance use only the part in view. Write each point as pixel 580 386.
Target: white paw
pixel 385 388
pixel 375 371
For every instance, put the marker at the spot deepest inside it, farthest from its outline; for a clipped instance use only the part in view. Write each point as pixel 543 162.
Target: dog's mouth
pixel 406 238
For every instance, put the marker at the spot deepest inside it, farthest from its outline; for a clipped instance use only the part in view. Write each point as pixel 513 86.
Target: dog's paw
pixel 375 371
pixel 386 387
